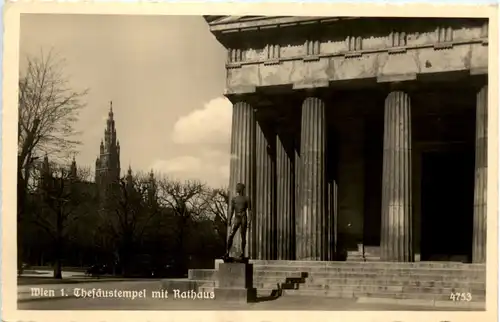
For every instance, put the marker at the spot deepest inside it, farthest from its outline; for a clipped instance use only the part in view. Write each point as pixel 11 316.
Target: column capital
pixel 400 86
pixel 323 93
pixel 479 81
pixel 396 94
pixel 250 98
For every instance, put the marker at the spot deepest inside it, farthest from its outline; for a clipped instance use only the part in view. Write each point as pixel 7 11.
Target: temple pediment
pixel 216 20
pixel 242 23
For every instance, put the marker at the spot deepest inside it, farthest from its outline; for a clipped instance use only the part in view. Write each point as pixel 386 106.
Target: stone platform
pixel 234 283
pixel 429 281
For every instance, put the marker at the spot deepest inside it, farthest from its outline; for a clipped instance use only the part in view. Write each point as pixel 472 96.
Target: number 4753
pixel 462 297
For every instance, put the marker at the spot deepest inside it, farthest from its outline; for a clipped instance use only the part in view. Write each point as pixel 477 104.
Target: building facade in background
pixel 107 165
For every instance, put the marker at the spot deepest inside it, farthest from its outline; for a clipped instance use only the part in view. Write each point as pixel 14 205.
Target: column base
pixel 235 283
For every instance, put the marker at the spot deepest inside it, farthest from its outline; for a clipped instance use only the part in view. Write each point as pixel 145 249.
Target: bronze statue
pixel 239 205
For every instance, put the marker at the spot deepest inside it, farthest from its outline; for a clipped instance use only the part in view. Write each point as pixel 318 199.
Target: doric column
pixel 242 164
pixel 481 176
pixel 297 193
pixel 312 238
pixel 284 199
pixel 265 211
pixel 396 235
pixel 332 219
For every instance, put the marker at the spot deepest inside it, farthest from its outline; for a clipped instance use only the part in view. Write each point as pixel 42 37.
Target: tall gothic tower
pixel 107 165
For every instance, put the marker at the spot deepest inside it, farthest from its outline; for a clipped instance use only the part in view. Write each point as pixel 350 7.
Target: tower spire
pixel 73 168
pixel 108 162
pixel 110 114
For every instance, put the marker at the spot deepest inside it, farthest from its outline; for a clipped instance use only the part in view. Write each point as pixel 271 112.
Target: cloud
pixel 204 136
pixel 178 165
pixel 210 125
pixel 208 166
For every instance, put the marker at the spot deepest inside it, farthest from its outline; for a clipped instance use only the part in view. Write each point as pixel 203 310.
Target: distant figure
pixel 239 205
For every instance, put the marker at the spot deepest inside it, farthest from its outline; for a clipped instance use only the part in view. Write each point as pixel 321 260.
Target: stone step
pixel 358 254
pixel 433 281
pixel 384 289
pixel 377 271
pixel 402 282
pixel 368 274
pixel 438 274
pixel 481 293
pixel 330 283
pixel 353 276
pixel 362 260
pixel 352 279
pixel 377 288
pixel 311 264
pixel 382 283
pixel 400 276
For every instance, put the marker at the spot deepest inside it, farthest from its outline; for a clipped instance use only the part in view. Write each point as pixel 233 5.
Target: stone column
pixel 265 211
pixel 284 199
pixel 242 164
pixel 396 235
pixel 332 219
pixel 312 238
pixel 297 193
pixel 481 176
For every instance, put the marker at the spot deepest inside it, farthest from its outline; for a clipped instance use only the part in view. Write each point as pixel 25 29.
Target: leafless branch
pixel 48 109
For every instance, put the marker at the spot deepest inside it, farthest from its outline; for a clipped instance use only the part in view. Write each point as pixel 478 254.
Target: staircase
pixel 431 281
pixel 364 254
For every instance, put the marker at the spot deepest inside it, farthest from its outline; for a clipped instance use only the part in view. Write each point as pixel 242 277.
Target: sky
pixel 166 78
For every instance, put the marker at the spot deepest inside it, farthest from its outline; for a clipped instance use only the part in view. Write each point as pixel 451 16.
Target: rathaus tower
pixel 107 165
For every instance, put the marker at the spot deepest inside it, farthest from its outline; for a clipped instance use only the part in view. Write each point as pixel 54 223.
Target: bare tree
pixel 217 203
pixel 48 109
pixel 185 199
pixel 63 193
pixel 126 216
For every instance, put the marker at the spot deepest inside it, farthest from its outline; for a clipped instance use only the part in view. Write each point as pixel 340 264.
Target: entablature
pixel 313 51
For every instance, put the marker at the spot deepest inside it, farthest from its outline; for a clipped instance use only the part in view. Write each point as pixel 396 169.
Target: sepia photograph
pixel 172 162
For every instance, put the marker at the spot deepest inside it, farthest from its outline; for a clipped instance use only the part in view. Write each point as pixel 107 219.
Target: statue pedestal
pixel 235 283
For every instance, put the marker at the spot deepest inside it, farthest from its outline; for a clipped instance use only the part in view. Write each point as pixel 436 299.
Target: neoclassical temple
pixel 360 131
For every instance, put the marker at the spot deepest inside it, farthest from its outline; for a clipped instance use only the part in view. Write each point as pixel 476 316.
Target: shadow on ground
pixel 291 283
pixel 275 294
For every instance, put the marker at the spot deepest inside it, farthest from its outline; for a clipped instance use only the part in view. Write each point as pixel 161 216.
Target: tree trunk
pixel 181 253
pixel 21 199
pixel 58 264
pixel 125 255
pixel 58 247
